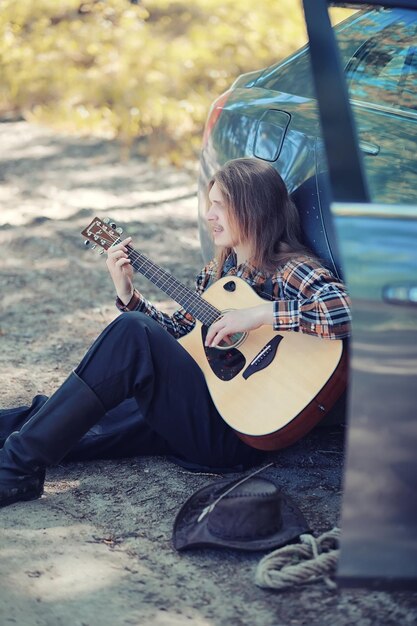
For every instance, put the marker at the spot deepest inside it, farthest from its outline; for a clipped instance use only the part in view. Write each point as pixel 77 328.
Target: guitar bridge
pixel 264 357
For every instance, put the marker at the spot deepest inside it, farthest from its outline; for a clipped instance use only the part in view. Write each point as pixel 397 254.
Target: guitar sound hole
pixel 226 362
pixel 232 341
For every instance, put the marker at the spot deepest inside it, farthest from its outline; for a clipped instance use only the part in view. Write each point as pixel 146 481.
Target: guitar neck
pixel 193 303
pixel 104 234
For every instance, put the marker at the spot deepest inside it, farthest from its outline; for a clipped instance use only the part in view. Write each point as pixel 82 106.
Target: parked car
pixel 378 243
pixel 272 114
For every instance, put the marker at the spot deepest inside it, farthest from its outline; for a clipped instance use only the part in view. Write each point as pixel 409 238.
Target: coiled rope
pixel 312 560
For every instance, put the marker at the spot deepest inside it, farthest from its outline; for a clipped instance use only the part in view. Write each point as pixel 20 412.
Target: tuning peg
pixel 94 246
pixel 87 242
pixel 107 220
pixel 101 252
pixel 119 230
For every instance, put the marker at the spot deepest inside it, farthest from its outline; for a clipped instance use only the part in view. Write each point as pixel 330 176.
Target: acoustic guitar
pixel 270 387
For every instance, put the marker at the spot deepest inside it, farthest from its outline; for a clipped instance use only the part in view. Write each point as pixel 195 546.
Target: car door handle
pixel 369 148
pixel 401 293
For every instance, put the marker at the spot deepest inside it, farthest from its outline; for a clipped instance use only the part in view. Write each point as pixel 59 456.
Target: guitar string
pixel 200 308
pixel 204 311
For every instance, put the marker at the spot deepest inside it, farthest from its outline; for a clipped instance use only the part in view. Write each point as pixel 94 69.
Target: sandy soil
pixel 96 549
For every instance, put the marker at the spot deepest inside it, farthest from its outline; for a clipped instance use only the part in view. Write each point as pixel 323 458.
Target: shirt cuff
pixel 132 305
pixel 286 315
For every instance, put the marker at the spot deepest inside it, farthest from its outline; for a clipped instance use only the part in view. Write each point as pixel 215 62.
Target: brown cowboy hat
pixel 246 514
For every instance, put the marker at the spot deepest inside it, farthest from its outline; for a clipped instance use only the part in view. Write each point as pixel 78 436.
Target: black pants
pixel 156 399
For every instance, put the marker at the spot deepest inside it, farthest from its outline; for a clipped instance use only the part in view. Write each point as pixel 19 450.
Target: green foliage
pixel 136 71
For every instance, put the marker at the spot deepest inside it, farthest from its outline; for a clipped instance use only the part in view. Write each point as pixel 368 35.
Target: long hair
pixel 260 211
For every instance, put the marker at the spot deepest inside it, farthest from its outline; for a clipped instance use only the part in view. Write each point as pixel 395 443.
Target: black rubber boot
pixel 45 439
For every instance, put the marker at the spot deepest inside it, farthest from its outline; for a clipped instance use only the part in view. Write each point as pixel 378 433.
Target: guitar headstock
pixel 101 233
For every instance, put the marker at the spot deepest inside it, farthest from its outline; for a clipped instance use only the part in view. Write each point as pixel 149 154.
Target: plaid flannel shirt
pixel 306 298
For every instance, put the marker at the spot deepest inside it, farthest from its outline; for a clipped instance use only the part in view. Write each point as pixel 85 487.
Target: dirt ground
pixel 96 549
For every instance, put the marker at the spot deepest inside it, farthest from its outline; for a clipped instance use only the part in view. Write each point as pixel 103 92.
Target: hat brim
pixel 188 533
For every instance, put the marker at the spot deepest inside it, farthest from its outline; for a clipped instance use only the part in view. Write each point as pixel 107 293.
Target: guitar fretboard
pixel 205 312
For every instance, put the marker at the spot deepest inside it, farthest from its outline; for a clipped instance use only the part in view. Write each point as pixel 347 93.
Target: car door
pixel 379 253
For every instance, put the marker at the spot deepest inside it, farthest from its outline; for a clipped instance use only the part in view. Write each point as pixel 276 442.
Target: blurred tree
pixel 131 70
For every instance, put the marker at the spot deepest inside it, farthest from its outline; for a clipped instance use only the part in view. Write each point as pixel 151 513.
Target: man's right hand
pixel 121 270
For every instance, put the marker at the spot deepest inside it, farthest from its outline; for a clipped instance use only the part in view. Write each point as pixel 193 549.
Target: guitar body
pixel 274 401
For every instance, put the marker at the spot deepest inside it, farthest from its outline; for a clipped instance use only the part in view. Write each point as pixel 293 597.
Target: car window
pixel 379 52
pixel 293 76
pixel 382 81
pixel 383 71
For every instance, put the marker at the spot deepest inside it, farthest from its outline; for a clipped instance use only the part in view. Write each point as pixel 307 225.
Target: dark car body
pixel 372 243
pixel 379 516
